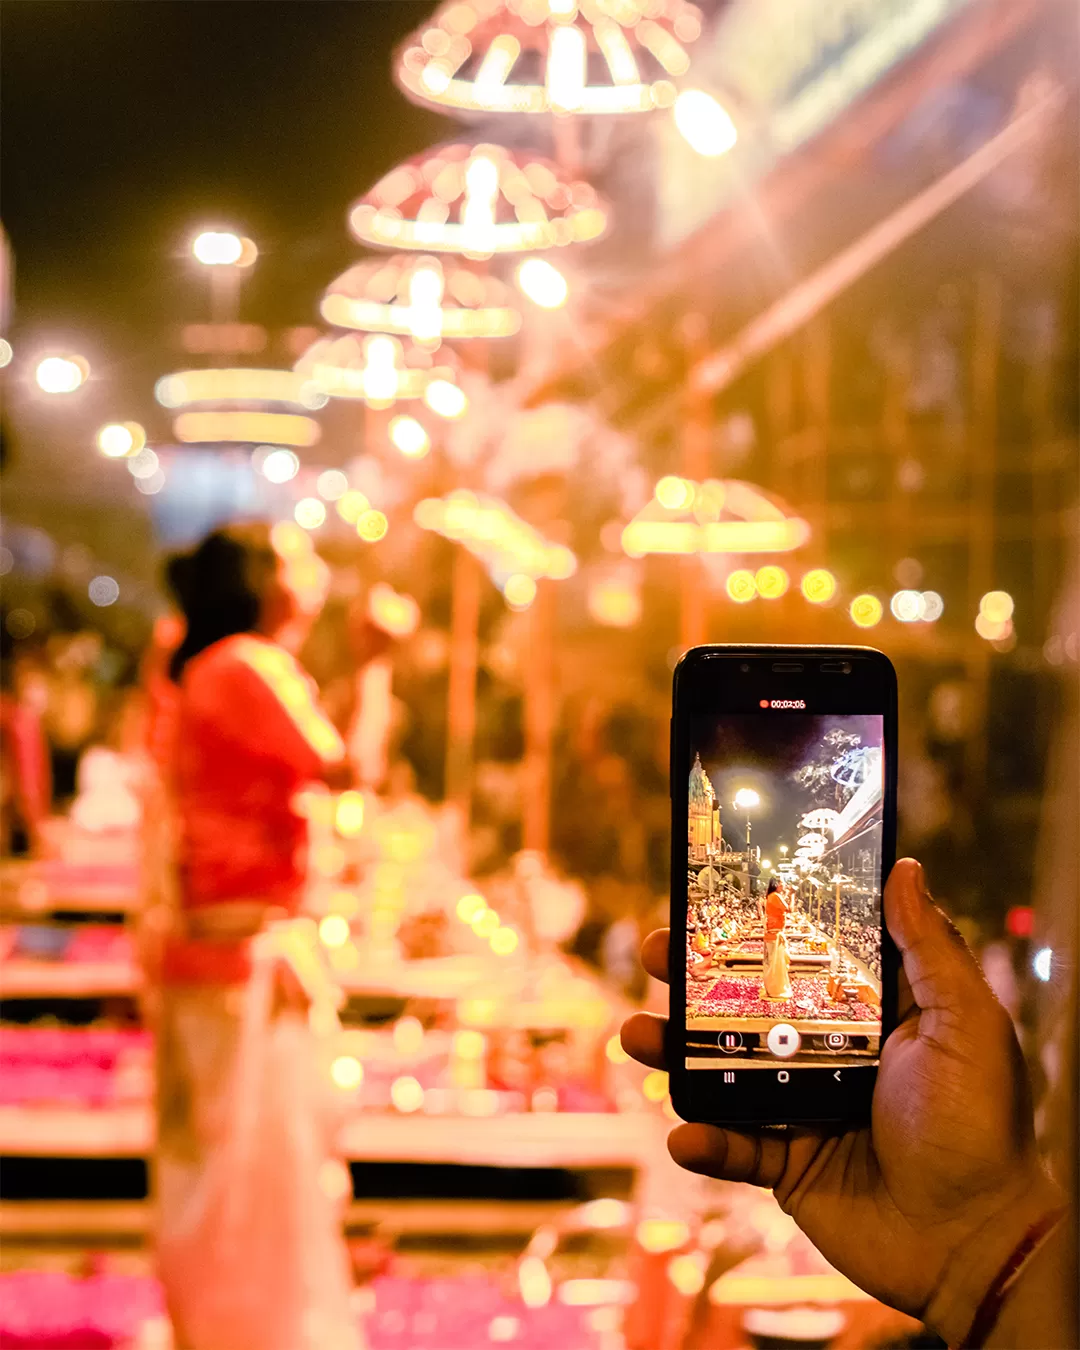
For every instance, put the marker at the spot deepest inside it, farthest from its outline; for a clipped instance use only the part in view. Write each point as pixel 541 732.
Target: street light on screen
pixel 218 248
pixel 745 800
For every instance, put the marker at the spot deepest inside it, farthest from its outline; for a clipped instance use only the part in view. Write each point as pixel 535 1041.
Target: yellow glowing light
pixel 687 1273
pixel 334 930
pixel 310 513
pixel 289 540
pixel 485 923
pixel 347 1072
pixel 504 941
pixel 495 67
pixel 615 603
pixel 662 1235
pixel 595 1293
pixel 993 630
pixel 328 860
pixel 866 611
pixel 614 1051
pixel 470 1044
pixel 406 1094
pixel 818 585
pixel 218 248
pixel 741 586
pixel 61 374
pixel 772 582
pixel 997 606
pixel 604 1213
pixel 394 613
pixel 332 485
pixel 408 1036
pixel 519 591
pixel 372 526
pixel 277 428
pixel 544 284
pixel 349 814
pixel 352 506
pixel 120 439
pixel 534 1282
pixel 446 399
pixel 240 385
pixel 655 1086
pixel 279 466
pixel 704 124
pixel 470 907
pixel 674 493
pixel 409 437
pixel 566 68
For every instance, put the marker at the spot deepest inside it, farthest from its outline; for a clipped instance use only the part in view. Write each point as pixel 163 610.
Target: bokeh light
pixel 543 283
pixel 218 248
pixel 997 606
pixel 334 930
pixel 704 123
pixel 933 606
pixel 116 440
pixel 741 586
pixel 674 493
pixel 309 512
pixel 866 611
pixel 347 1072
pixel 772 581
pixel 371 526
pixel 332 485
pixel 519 591
pixel 103 591
pixel 907 606
pixel 446 399
pixel 61 374
pixel 504 941
pixel 818 585
pixel 409 437
pixel 280 465
pixel 407 1094
pixel 352 506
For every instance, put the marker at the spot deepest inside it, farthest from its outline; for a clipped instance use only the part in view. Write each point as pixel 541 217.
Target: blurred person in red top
pixel 249 1239
pixel 25 775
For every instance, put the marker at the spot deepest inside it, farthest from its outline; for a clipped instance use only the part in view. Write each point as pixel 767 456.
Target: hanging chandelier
pixel 422 298
pixel 549 56
pixel 380 370
pixel 478 200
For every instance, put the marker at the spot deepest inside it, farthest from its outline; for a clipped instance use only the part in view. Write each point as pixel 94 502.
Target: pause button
pixel 730 1042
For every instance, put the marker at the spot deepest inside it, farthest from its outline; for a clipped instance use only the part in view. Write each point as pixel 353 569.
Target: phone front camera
pixel 745 667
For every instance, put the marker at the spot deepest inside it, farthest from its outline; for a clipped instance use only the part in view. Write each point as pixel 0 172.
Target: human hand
pixel 922 1207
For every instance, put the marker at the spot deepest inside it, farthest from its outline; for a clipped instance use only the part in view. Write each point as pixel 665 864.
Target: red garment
pixel 775 913
pixel 250 735
pixel 24 763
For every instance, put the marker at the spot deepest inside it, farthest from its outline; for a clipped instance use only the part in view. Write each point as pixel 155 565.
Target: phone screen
pixel 783 901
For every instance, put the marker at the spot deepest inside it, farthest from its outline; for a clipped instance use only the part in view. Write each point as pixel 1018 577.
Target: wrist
pixel 977 1259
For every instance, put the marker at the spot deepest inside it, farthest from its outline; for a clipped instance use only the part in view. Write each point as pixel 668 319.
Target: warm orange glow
pixel 238 386
pixel 504 941
pixel 615 603
pixel 347 1072
pixel 446 399
pixel 997 606
pixel 470 907
pixel 376 369
pixel 655 1086
pixel 507 545
pixel 334 930
pixel 716 516
pixel 407 1094
pixel 250 427
pixel 662 1235
pixel 673 493
pixel 485 923
pixel 993 630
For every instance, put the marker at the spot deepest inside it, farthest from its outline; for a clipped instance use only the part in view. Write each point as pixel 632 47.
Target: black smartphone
pixel 783 792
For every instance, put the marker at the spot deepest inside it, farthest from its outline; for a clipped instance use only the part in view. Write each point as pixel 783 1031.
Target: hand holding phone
pixel 922 1206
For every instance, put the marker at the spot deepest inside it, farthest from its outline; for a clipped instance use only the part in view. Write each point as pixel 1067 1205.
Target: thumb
pixel 940 968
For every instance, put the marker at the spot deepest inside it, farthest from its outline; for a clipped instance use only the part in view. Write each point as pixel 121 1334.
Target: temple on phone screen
pixel 783 934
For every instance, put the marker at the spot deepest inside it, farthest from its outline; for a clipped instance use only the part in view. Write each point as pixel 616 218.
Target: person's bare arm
pixel 924 1206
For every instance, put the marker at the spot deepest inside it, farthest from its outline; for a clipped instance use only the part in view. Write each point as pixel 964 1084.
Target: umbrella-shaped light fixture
pixel 418 296
pixel 477 200
pixel 549 56
pixel 380 370
pixel 717 516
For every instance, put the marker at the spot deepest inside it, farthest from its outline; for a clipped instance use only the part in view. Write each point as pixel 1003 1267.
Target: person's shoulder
pixel 222 664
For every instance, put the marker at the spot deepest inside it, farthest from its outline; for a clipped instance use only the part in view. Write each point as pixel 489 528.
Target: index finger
pixel 654 954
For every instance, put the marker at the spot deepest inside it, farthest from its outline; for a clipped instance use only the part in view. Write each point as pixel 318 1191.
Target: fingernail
pixel 920 882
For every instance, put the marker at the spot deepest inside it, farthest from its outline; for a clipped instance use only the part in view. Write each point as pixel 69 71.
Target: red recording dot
pixel 764 703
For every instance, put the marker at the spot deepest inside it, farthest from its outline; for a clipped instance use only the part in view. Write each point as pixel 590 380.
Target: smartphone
pixel 783 792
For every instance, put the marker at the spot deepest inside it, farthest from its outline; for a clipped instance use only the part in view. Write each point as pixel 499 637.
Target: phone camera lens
pixel 745 667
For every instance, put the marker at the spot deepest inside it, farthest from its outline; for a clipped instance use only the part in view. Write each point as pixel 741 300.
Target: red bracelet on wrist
pixel 989 1310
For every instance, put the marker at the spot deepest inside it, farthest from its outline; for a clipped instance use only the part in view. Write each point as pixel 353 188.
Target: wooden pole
pixel 539 718
pixel 464 659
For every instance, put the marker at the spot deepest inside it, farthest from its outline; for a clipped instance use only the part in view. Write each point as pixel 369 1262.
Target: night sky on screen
pixel 127 124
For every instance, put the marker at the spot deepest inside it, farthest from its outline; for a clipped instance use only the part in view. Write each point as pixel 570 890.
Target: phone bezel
pixel 709 679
